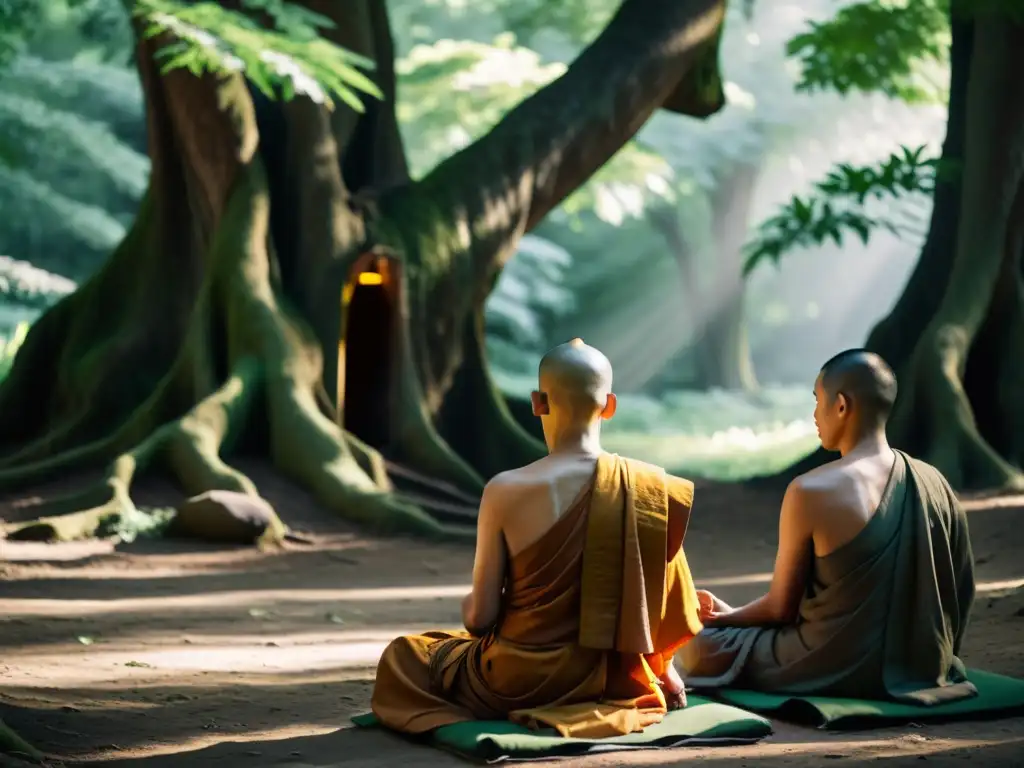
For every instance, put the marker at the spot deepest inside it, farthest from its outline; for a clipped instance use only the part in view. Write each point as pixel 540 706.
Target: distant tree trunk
pixel 956 336
pixel 725 347
pixel 722 348
pixel 239 312
pixel 690 305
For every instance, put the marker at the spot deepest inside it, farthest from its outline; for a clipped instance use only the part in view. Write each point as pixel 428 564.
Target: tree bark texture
pixel 233 316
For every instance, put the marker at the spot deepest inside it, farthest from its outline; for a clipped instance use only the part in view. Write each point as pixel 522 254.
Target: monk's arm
pixel 482 605
pixel 792 563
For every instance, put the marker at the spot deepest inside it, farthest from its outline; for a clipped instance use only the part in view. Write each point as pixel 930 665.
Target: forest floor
pixel 166 655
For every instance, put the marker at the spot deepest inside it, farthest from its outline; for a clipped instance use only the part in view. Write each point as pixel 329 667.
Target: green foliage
pixel 876 46
pixel 576 21
pixel 73 186
pixel 9 347
pixel 15 17
pixel 99 92
pixel 137 523
pixel 454 91
pixel 80 157
pixel 290 59
pixel 529 296
pixel 27 286
pixel 837 206
pixel 60 233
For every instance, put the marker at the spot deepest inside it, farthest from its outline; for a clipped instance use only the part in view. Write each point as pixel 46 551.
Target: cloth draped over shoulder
pixel 592 614
pixel 883 618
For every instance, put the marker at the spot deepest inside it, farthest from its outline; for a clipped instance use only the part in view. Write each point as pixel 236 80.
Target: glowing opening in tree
pixel 371 278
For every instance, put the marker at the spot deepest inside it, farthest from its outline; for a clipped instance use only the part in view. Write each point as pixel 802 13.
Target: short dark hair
pixel 864 378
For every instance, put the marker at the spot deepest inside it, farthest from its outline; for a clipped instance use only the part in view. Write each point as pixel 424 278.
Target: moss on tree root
pixel 12 744
pixel 273 365
pixel 210 327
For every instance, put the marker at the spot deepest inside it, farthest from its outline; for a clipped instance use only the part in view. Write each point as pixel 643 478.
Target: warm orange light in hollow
pixel 371 278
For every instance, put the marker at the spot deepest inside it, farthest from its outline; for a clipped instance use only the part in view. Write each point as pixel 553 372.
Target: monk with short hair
pixel 874 577
pixel 581 590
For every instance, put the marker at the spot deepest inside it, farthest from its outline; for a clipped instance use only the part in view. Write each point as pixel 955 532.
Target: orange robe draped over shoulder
pixel 592 615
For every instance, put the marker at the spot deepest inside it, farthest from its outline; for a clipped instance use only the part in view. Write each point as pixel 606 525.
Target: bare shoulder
pixel 503 484
pixel 499 493
pixel 511 485
pixel 827 477
pixel 814 490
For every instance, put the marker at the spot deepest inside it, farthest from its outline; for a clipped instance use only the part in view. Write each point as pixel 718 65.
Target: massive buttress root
pixel 215 326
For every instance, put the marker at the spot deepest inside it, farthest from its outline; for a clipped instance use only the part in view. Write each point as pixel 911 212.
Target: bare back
pixel 846 494
pixel 533 498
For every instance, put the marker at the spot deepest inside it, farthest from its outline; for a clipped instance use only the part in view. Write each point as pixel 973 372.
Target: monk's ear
pixel 539 400
pixel 842 404
pixel 609 406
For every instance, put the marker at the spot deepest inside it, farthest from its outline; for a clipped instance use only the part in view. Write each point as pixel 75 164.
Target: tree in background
pixel 956 334
pixel 286 276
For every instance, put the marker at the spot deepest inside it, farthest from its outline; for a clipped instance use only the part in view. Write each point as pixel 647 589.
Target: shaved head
pixel 576 374
pixel 863 378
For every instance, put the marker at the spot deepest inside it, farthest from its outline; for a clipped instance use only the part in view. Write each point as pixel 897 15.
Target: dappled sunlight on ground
pixel 163 655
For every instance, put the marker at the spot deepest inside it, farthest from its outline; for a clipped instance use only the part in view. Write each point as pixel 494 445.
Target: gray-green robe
pixel 883 617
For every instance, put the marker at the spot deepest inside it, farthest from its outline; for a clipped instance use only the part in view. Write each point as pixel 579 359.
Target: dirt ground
pixel 167 655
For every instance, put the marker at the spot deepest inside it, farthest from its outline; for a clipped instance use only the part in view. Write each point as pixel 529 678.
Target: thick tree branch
pixel 502 185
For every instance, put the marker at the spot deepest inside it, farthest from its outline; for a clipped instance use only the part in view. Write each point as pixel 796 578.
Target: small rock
pixel 223 516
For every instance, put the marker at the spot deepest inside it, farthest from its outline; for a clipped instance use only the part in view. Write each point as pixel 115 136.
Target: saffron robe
pixel 884 615
pixel 592 614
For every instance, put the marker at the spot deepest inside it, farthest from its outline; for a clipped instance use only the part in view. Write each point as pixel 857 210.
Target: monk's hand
pixel 711 610
pixel 707 605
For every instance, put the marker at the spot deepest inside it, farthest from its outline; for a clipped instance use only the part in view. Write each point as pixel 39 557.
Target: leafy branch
pixel 839 203
pixel 292 58
pixel 875 46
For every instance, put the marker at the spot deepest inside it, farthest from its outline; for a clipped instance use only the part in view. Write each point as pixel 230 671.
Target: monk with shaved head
pixel 874 576
pixel 581 590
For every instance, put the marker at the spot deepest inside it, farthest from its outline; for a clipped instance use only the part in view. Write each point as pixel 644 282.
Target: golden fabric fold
pixel 623 581
pixel 533 668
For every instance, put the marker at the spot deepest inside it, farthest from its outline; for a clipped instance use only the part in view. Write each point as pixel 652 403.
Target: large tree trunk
pixel 956 336
pixel 234 315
